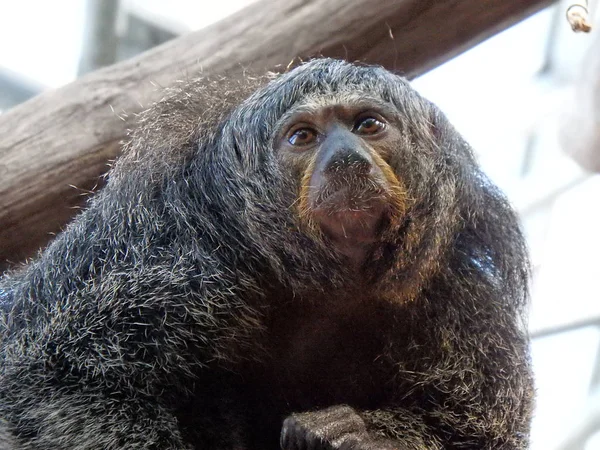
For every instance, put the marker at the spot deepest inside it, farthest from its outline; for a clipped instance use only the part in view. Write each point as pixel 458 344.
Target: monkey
pixel 308 260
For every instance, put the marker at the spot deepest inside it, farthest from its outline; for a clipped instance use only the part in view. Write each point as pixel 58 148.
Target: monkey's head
pixel 342 165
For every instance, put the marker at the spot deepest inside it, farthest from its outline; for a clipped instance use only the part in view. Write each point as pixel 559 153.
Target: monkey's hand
pixel 335 428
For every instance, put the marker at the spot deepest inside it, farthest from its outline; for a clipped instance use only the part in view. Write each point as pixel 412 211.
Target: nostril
pixel 349 161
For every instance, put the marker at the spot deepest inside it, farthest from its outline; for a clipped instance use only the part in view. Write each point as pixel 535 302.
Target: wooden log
pixel 65 137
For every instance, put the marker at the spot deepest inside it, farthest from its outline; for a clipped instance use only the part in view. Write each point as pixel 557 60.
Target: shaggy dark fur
pixel 186 307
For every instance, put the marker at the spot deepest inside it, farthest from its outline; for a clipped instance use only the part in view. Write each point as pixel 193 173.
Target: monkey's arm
pixel 342 427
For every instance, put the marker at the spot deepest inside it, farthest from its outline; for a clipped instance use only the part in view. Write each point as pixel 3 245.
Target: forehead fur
pixel 320 81
pixel 348 97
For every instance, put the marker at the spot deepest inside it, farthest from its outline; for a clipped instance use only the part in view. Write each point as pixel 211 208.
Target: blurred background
pixel 516 97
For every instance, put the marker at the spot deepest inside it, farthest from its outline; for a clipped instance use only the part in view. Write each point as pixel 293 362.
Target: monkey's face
pixel 338 153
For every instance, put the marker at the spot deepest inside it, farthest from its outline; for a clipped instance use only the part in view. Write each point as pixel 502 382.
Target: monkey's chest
pixel 328 354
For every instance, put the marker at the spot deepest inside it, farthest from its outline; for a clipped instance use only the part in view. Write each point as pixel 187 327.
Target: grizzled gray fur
pixel 190 307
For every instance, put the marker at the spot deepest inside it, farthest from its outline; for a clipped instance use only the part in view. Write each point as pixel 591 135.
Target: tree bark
pixel 65 137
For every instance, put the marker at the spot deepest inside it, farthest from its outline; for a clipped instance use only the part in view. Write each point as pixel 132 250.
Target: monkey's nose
pixel 351 161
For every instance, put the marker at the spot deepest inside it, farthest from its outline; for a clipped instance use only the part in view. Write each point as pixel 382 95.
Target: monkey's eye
pixel 302 136
pixel 368 125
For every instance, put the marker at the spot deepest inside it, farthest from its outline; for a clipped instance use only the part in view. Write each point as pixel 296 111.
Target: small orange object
pixel 578 17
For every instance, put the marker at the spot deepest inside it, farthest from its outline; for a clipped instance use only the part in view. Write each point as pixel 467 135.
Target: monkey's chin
pixel 351 217
pixel 352 232
pixel 349 226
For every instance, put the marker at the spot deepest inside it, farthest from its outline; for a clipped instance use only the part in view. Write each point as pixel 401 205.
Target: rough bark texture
pixel 65 137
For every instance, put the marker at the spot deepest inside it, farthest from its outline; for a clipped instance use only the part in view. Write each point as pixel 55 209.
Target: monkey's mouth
pixel 349 215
